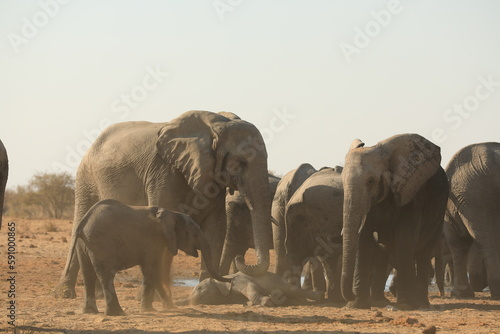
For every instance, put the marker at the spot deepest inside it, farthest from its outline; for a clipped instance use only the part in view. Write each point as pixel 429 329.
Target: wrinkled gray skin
pixel 476 269
pixel 113 236
pixel 239 232
pixel 265 290
pixel 313 230
pixel 183 165
pixel 313 219
pixel 397 189
pixel 4 174
pixel 473 213
pixel 284 191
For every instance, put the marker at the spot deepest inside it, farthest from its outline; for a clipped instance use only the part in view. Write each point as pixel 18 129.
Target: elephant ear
pixel 188 143
pixel 413 161
pixel 168 222
pixel 356 143
pixel 229 115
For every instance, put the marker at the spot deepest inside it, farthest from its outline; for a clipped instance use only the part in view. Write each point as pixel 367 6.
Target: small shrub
pixel 50 227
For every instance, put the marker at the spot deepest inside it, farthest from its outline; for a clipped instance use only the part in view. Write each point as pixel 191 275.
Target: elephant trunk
pixel 258 198
pixel 353 221
pixel 204 247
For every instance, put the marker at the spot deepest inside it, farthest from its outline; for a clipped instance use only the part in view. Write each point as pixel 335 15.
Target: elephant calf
pixel 268 289
pixel 113 236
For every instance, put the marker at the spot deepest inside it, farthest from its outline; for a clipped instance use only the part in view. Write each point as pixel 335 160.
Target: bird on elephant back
pixel 473 217
pixel 397 189
pixel 182 165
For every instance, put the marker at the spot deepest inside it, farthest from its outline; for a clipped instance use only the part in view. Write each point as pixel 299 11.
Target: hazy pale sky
pixel 312 75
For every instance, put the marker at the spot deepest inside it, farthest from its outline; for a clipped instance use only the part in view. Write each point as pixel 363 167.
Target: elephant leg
pixel 227 258
pixel 492 261
pixel 106 277
pixel 318 278
pixel 66 286
pixel 363 270
pixel 148 289
pixel 333 270
pixel 423 262
pixel 379 280
pixel 475 267
pixel 282 263
pixel 459 248
pixel 163 280
pixel 439 266
pixel 89 280
pixel 214 228
pixel 405 265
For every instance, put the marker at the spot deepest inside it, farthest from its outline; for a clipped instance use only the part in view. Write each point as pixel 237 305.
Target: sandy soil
pixel 41 248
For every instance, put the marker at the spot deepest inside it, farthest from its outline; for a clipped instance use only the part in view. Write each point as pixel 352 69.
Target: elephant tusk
pixel 249 203
pixel 362 224
pixel 274 221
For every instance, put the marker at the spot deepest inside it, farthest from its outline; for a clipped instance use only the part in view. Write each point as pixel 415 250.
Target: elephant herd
pixel 343 227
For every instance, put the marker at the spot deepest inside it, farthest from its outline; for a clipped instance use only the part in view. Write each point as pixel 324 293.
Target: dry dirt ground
pixel 40 253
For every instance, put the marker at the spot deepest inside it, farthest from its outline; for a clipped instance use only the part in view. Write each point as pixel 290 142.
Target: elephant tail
pixel 78 233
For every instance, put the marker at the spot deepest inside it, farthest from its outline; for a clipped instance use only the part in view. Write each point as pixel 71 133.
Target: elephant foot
pixel 90 309
pixel 380 302
pixel 64 290
pixel 404 307
pixel 146 309
pixel 168 306
pixel 461 293
pixel 358 303
pixel 115 311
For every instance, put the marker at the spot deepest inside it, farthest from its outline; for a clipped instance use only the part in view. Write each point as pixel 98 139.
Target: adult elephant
pixel 313 220
pixel 313 231
pixel 473 213
pixel 284 191
pixel 239 232
pixel 4 174
pixel 397 189
pixel 183 165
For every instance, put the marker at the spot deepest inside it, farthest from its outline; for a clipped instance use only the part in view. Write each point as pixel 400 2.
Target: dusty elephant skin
pixel 4 174
pixel 239 233
pixel 473 214
pixel 313 231
pixel 40 312
pixel 284 191
pixel 183 165
pixel 313 220
pixel 397 189
pixel 268 289
pixel 113 236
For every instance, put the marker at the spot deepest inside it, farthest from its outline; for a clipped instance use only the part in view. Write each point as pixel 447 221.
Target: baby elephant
pixel 265 290
pixel 113 236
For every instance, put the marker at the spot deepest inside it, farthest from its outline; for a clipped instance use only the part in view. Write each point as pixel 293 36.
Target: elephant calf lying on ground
pixel 113 236
pixel 265 290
